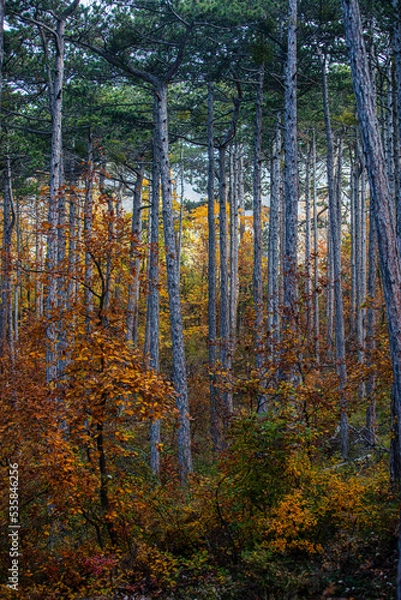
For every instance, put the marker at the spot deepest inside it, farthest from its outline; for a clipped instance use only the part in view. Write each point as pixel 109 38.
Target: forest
pixel 200 299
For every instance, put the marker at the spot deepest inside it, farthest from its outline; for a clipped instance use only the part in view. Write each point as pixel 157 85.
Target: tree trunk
pixel 234 248
pixel 225 354
pixel 382 209
pixel 241 192
pixel 88 218
pixel 6 333
pixel 177 336
pixel 110 238
pixel 308 255
pixel 2 14
pixel 316 321
pixel 330 292
pixel 361 279
pixel 56 87
pixel 135 263
pixel 273 299
pixel 18 279
pixel 371 424
pixel 153 297
pixel 291 183
pixel 335 239
pixel 257 240
pixel 38 259
pixel 181 217
pixel 212 320
pixel 72 244
pixel 397 55
pixel 55 194
pixel 355 177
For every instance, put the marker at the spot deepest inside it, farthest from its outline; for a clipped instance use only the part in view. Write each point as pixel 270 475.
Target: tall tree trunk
pixel 291 183
pixel 316 321
pixel 18 289
pixel 6 333
pixel 257 239
pixel 61 244
pixel 335 238
pixel 135 264
pixel 382 208
pixel 56 100
pixel 225 354
pixel 354 188
pixel 371 424
pixel 361 279
pixel 181 216
pixel 55 193
pixel 177 336
pixel 389 130
pixel 273 299
pixel 2 14
pixel 308 254
pixel 72 244
pixel 330 292
pixel 38 259
pixel 212 319
pixel 88 219
pixel 234 248
pixel 241 192
pixel 397 55
pixel 153 297
pixel 105 194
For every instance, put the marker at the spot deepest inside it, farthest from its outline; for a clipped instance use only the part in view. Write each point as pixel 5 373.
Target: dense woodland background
pixel 203 396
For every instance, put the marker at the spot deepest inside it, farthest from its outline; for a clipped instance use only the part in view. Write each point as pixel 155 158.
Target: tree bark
pixel 361 279
pixel 273 285
pixel 135 264
pixel 88 219
pixel 2 14
pixel 382 208
pixel 181 217
pixel 335 239
pixel 72 244
pixel 241 192
pixel 371 423
pixel 291 183
pixel 153 297
pixel 177 336
pixel 308 254
pixel 55 193
pixel 397 55
pixel 212 319
pixel 38 259
pixel 56 107
pixel 316 320
pixel 234 248
pixel 6 332
pixel 257 240
pixel 225 354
